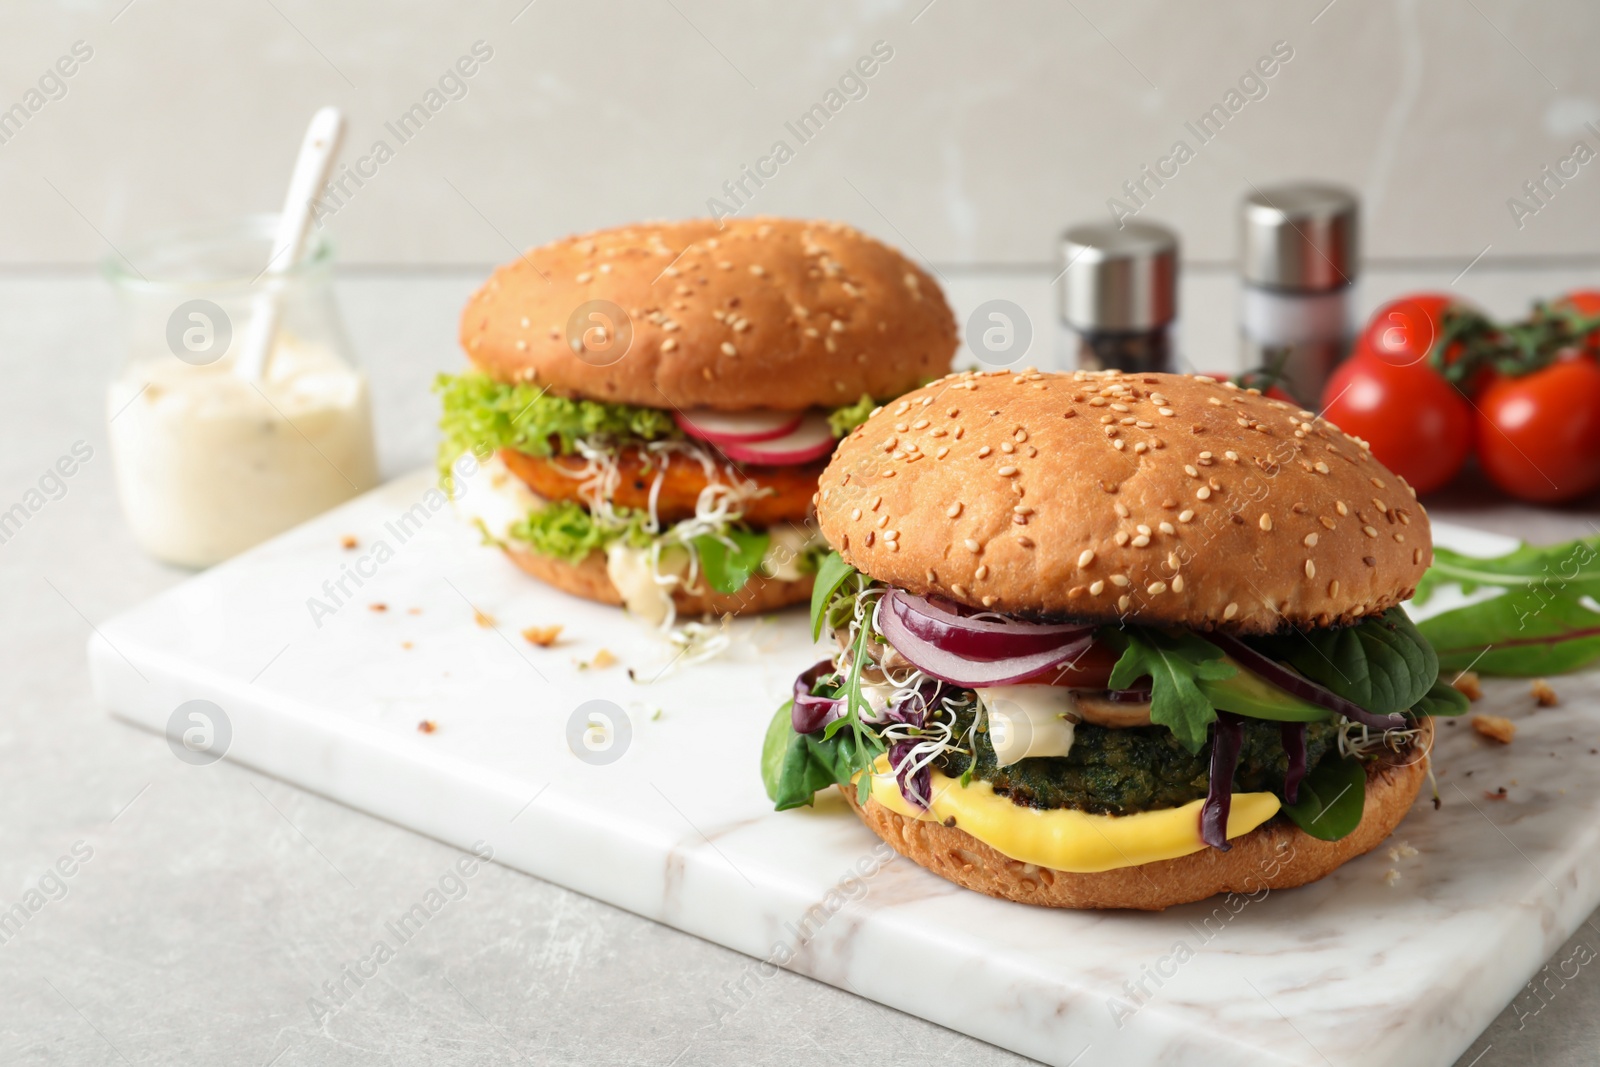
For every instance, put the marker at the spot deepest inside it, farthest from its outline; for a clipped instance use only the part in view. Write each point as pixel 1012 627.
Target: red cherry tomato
pixel 1416 423
pixel 1404 330
pixel 1539 435
pixel 1585 302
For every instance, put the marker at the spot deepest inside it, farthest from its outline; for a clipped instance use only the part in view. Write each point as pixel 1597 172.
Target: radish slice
pixel 812 439
pixel 738 427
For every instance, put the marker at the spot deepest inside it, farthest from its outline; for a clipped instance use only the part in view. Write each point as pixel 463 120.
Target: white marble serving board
pixel 1351 970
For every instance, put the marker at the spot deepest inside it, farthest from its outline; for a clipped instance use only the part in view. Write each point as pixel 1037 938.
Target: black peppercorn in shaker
pixel 1119 296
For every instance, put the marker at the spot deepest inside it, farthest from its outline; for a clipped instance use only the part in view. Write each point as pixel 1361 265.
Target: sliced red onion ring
pixel 1298 685
pixel 987 639
pixel 949 666
pixel 1226 740
pixel 1294 746
pixel 811 713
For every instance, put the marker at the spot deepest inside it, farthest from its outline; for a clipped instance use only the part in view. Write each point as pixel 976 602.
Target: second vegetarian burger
pixel 650 406
pixel 1114 641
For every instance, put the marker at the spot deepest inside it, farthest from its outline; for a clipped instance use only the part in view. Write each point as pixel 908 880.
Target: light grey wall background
pixel 992 125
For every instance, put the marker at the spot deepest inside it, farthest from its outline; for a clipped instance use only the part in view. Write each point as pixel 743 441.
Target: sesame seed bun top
pixel 1159 498
pixel 755 313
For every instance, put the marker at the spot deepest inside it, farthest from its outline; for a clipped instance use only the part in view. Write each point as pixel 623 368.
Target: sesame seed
pixel 1191 471
pixel 1121 538
pixel 958 589
pixel 728 349
pixel 1119 407
pixel 905 406
pixel 1416 555
pixel 871 535
pixel 1167 528
pixel 893 546
pixel 1119 445
pixel 855 513
pixel 1186 515
pixel 1232 455
pixel 1142 541
pixel 953 510
pixel 1025 542
pixel 1230 611
pixel 1007 471
pixel 1119 580
pixel 669 344
pixel 1121 509
pixel 943 451
pixel 1400 537
pixel 973 546
pixel 919 424
pixel 1156 588
pixel 1123 602
pixel 1311 569
pixel 1140 446
pixel 1378 482
pixel 1177 584
pixel 1338 505
pixel 891 535
pixel 888 474
pixel 1096 588
pixel 522 346
pixel 585 276
pixel 1085 557
pixel 1266 522
pixel 982 572
pixel 984 451
pixel 1007 447
pixel 1326 522
pixel 1204 492
pixel 1142 529
pixel 1311 540
pixel 1369 531
pixel 1333 587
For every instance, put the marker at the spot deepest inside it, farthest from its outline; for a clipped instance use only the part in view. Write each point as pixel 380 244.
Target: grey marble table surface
pixel 211 906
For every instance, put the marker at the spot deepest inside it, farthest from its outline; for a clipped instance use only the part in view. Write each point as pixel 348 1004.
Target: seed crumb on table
pixel 543 636
pixel 1495 728
pixel 1468 685
pixel 1543 694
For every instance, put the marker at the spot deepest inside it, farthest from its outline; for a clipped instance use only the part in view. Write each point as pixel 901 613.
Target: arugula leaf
pixel 1442 701
pixel 775 746
pixel 1175 664
pixel 842 420
pixel 1331 799
pixel 1571 568
pixel 832 572
pixel 1540 623
pixel 1517 635
pixel 1383 664
pixel 727 570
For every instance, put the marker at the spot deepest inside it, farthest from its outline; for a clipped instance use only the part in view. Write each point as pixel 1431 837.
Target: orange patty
pixel 788 496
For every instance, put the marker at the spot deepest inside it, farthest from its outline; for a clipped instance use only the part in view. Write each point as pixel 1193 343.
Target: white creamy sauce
pixel 489 495
pixel 1029 720
pixel 209 464
pixel 646 585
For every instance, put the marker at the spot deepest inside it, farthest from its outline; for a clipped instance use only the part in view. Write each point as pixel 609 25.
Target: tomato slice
pixel 1089 670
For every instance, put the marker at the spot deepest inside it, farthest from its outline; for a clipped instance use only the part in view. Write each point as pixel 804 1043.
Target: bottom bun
pixel 588 578
pixel 1278 855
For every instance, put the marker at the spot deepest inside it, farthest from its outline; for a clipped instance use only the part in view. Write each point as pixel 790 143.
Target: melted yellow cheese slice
pixel 1067 840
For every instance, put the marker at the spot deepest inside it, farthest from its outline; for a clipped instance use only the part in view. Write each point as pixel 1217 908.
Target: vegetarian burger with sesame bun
pixel 650 407
pixel 1111 640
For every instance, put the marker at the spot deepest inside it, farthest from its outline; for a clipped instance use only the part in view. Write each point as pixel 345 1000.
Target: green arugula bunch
pixel 1539 623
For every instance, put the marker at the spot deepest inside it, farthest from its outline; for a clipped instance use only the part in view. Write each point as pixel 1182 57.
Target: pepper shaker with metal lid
pixel 1298 258
pixel 1119 296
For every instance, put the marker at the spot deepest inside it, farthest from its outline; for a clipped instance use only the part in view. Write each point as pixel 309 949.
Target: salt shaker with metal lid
pixel 1119 296
pixel 1298 258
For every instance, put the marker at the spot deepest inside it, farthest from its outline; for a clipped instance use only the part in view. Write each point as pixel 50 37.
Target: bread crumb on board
pixel 1391 876
pixel 543 636
pixel 602 659
pixel 1468 685
pixel 483 619
pixel 1401 851
pixel 348 542
pixel 1543 694
pixel 427 726
pixel 1495 728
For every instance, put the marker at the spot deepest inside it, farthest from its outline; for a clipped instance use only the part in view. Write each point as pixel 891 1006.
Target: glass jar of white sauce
pixel 208 461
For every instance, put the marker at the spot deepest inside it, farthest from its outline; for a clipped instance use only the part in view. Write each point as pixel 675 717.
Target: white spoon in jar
pixel 311 171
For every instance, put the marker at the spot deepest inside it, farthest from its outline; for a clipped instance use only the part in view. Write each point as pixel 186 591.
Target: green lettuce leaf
pixel 728 569
pixel 842 420
pixel 567 531
pixel 1331 799
pixel 1175 663
pixel 482 415
pixel 775 746
pixel 1383 664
